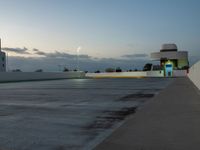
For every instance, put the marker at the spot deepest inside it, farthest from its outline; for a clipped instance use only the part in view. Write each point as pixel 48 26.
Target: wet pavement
pixel 69 114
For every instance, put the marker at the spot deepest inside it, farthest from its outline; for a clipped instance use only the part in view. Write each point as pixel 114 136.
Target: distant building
pixel 2 60
pixel 171 59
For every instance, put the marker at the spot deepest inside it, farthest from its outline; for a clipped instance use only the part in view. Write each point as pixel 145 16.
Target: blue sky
pixel 102 28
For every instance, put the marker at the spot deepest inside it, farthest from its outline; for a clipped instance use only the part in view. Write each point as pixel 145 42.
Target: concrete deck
pixel 170 121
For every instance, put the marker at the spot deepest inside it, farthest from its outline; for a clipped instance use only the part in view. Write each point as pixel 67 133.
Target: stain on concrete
pixel 136 96
pixel 109 118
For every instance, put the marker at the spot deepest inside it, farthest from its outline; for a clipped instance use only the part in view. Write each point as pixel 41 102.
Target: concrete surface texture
pixel 73 114
pixel 170 121
pixel 194 74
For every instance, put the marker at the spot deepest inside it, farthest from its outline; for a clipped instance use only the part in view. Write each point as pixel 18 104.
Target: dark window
pixel 3 59
pixel 168 66
pixel 3 65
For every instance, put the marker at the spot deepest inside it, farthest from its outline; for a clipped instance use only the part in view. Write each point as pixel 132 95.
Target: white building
pixel 2 60
pixel 171 59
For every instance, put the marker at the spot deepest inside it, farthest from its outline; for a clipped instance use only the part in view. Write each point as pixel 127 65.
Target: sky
pixel 39 33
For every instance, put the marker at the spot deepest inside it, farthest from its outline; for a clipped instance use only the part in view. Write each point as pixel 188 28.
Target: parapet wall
pixel 194 74
pixel 137 74
pixel 31 76
pixel 134 74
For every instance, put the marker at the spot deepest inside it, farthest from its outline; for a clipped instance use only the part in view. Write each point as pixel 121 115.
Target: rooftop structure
pixel 168 47
pixel 171 59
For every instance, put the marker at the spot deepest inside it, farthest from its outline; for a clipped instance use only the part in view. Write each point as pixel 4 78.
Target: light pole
pixel 78 51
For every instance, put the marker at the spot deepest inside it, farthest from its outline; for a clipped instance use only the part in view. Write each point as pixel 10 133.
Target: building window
pixel 3 59
pixel 3 65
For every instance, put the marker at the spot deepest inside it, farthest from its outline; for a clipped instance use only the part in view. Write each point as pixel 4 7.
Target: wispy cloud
pixel 58 54
pixel 38 52
pixel 35 51
pixel 51 61
pixel 16 50
pixel 130 56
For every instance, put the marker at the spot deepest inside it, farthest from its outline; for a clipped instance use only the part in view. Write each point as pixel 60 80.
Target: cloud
pixel 130 56
pixel 58 54
pixel 38 52
pixel 35 51
pixel 16 50
pixel 54 61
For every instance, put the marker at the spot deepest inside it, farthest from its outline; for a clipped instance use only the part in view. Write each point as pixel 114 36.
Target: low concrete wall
pixel 179 73
pixel 155 73
pixel 194 74
pixel 137 74
pixel 31 76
